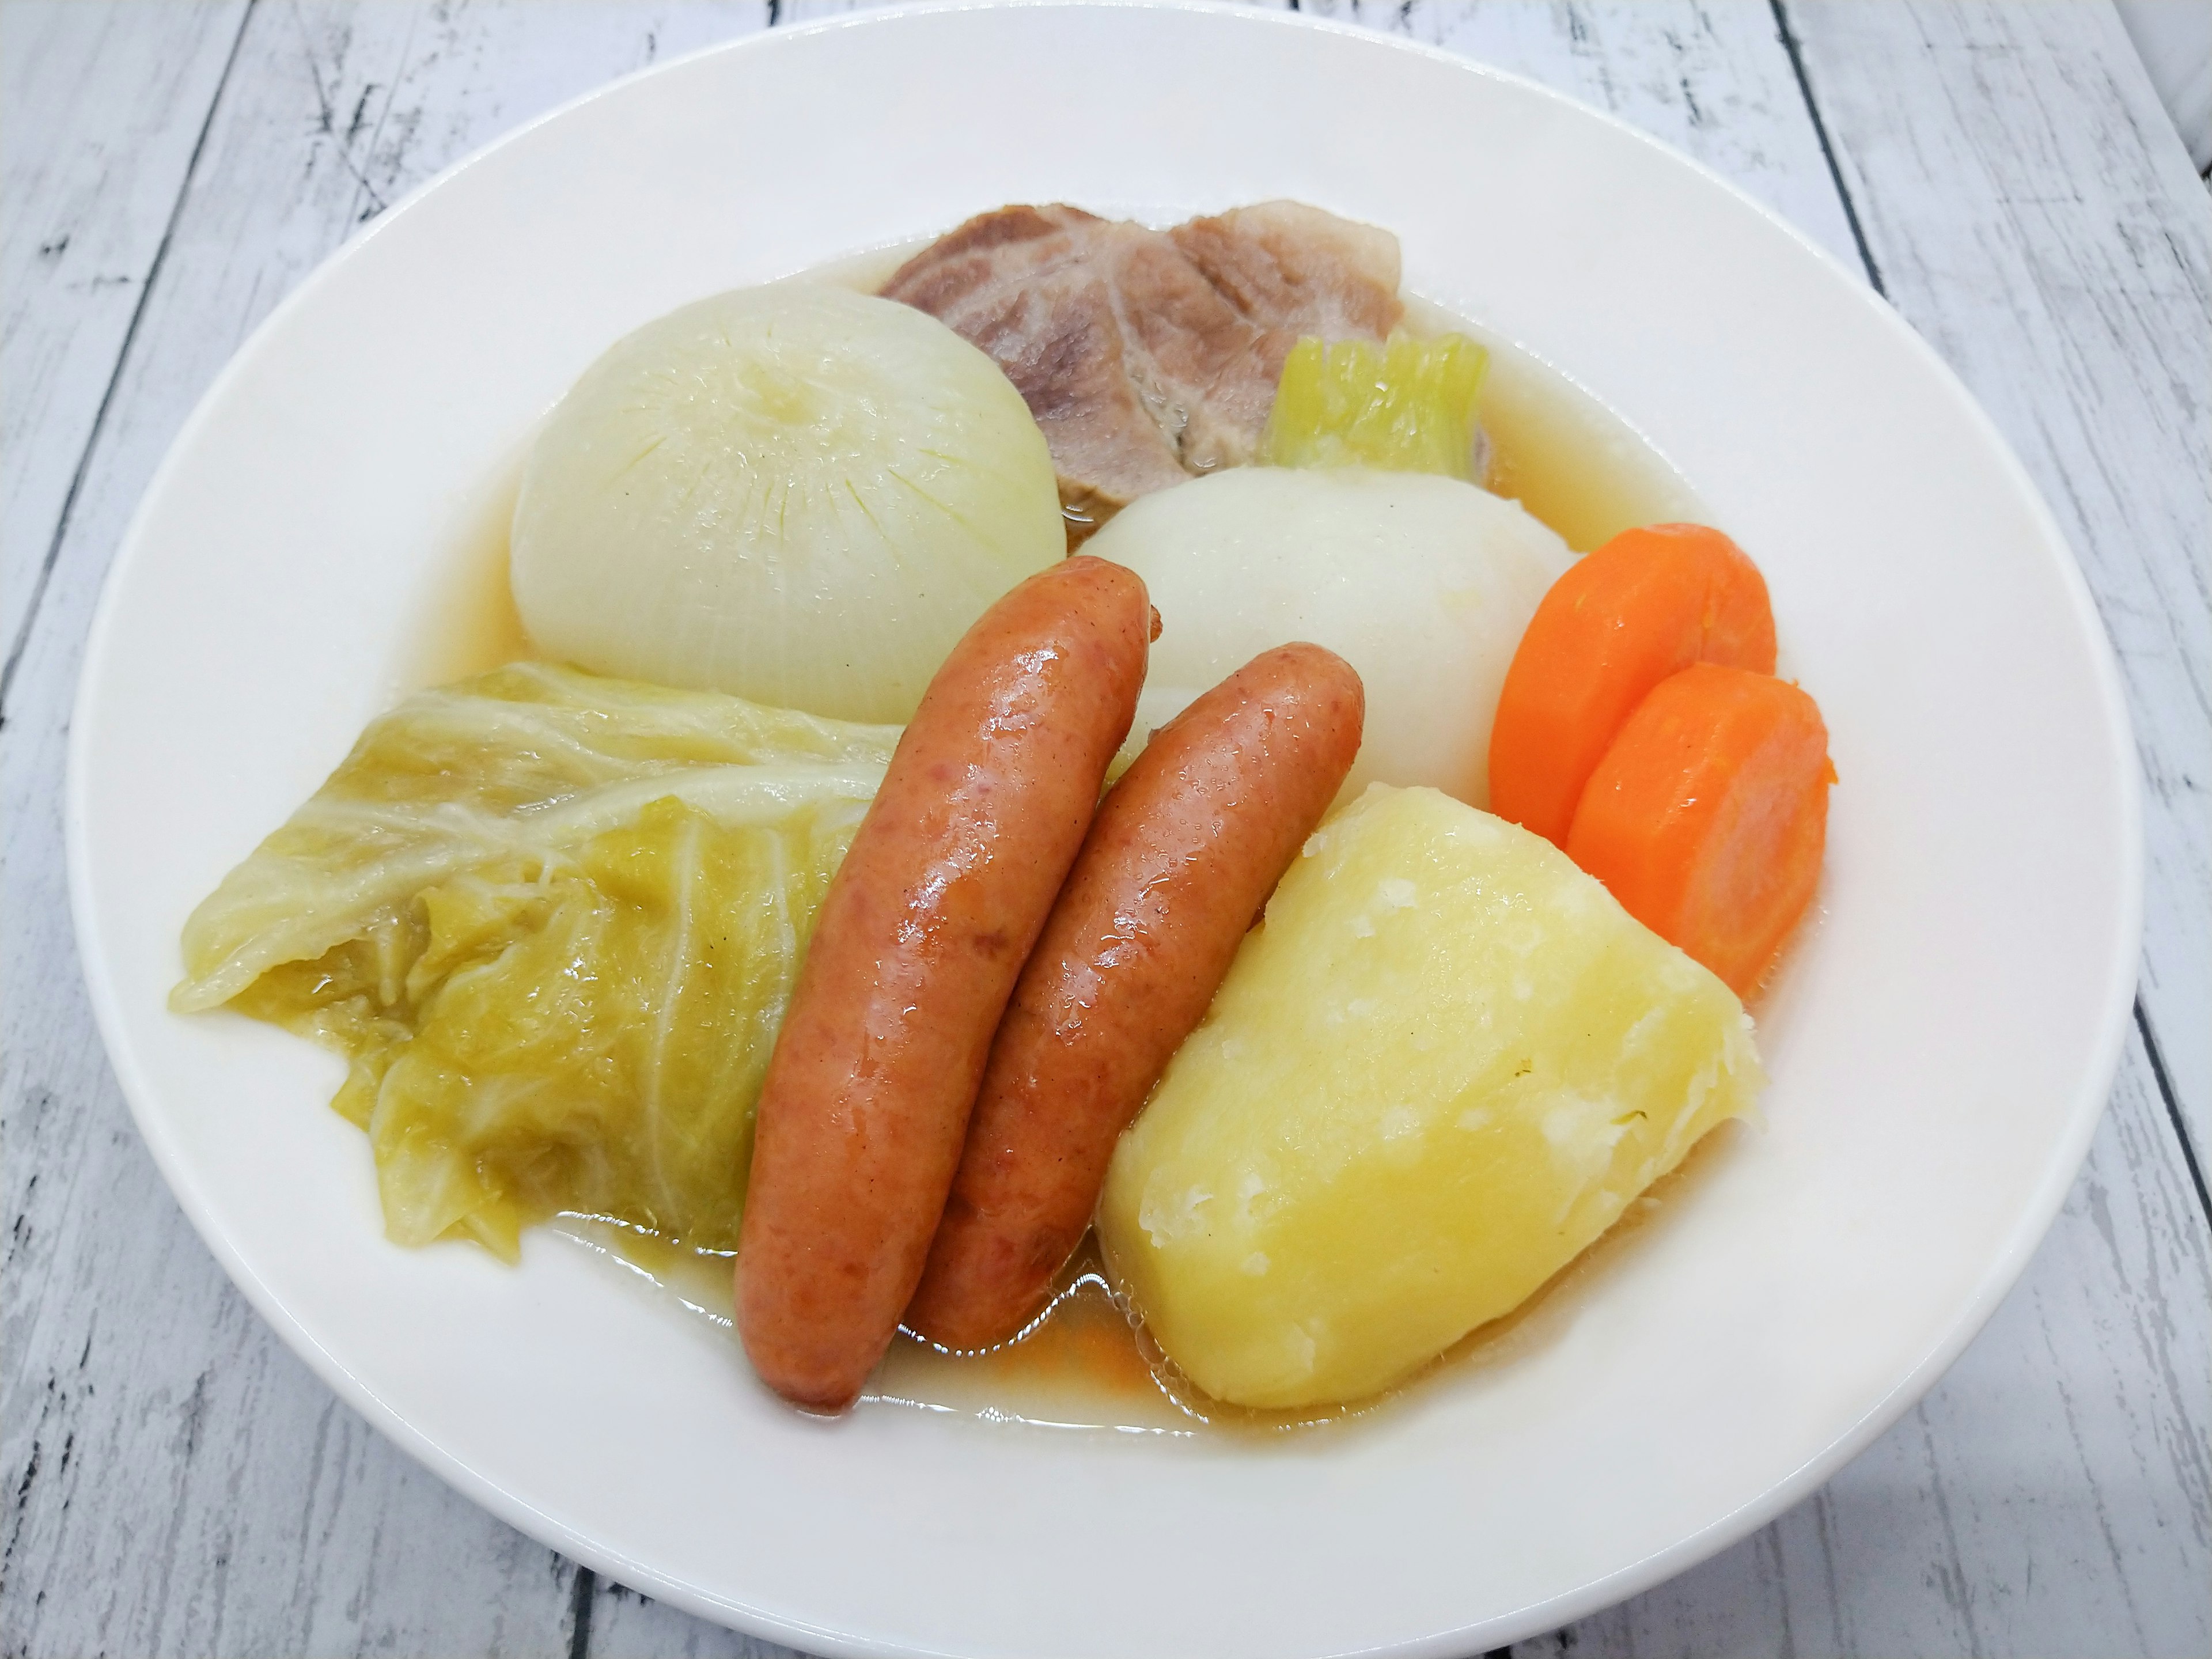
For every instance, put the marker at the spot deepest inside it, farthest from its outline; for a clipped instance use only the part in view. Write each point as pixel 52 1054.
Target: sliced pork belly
pixel 1297 269
pixel 1148 356
pixel 1027 286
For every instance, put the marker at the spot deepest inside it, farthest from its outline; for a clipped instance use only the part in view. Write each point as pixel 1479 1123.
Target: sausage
pixel 916 947
pixel 1184 852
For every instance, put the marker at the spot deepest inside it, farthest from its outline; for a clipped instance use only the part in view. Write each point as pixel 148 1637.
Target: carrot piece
pixel 1647 604
pixel 1707 817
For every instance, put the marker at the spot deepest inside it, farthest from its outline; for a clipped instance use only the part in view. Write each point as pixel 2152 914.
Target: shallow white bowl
pixel 1941 1046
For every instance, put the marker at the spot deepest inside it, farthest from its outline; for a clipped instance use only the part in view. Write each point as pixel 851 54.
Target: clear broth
pixel 1085 1363
pixel 1559 452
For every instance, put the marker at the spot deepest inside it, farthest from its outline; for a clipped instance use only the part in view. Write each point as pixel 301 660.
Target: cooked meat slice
pixel 1009 224
pixel 1060 342
pixel 1027 286
pixel 1149 355
pixel 1201 365
pixel 1295 269
pixel 980 253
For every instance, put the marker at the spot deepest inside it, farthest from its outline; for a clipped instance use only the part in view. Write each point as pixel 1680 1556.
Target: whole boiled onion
pixel 1423 584
pixel 802 495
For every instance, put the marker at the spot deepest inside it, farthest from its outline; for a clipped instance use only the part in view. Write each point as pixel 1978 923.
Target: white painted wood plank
pixel 100 110
pixel 2035 215
pixel 2049 1497
pixel 1890 1545
pixel 628 1626
pixel 175 1482
pixel 1708 78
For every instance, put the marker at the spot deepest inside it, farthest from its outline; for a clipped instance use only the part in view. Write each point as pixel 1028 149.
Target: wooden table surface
pixel 176 1483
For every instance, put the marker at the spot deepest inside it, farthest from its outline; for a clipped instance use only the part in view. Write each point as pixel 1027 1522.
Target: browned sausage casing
pixel 1185 848
pixel 915 950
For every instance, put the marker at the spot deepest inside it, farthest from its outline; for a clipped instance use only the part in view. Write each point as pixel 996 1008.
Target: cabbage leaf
pixel 552 921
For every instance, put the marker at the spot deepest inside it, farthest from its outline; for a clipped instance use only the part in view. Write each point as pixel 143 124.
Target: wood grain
pixel 2034 214
pixel 101 110
pixel 1710 80
pixel 177 1484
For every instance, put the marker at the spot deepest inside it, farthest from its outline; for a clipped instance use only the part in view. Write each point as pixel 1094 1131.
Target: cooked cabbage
pixel 802 495
pixel 1406 407
pixel 552 921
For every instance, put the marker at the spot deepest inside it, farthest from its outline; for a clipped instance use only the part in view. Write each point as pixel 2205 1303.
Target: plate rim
pixel 2087 1098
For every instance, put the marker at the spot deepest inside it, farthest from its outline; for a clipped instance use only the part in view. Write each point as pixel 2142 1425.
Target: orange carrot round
pixel 1707 817
pixel 1647 604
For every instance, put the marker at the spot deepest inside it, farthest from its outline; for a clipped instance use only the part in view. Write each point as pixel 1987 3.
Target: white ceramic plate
pixel 1940 1052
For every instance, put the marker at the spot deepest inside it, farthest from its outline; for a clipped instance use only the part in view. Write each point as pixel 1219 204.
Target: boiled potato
pixel 1422 583
pixel 1439 1069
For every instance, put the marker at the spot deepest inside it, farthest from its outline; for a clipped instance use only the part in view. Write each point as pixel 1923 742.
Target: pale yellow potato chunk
pixel 1440 1069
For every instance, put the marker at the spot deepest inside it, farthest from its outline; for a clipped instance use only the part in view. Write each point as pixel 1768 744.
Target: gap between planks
pixel 2051 241
pixel 1790 44
pixel 1827 148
